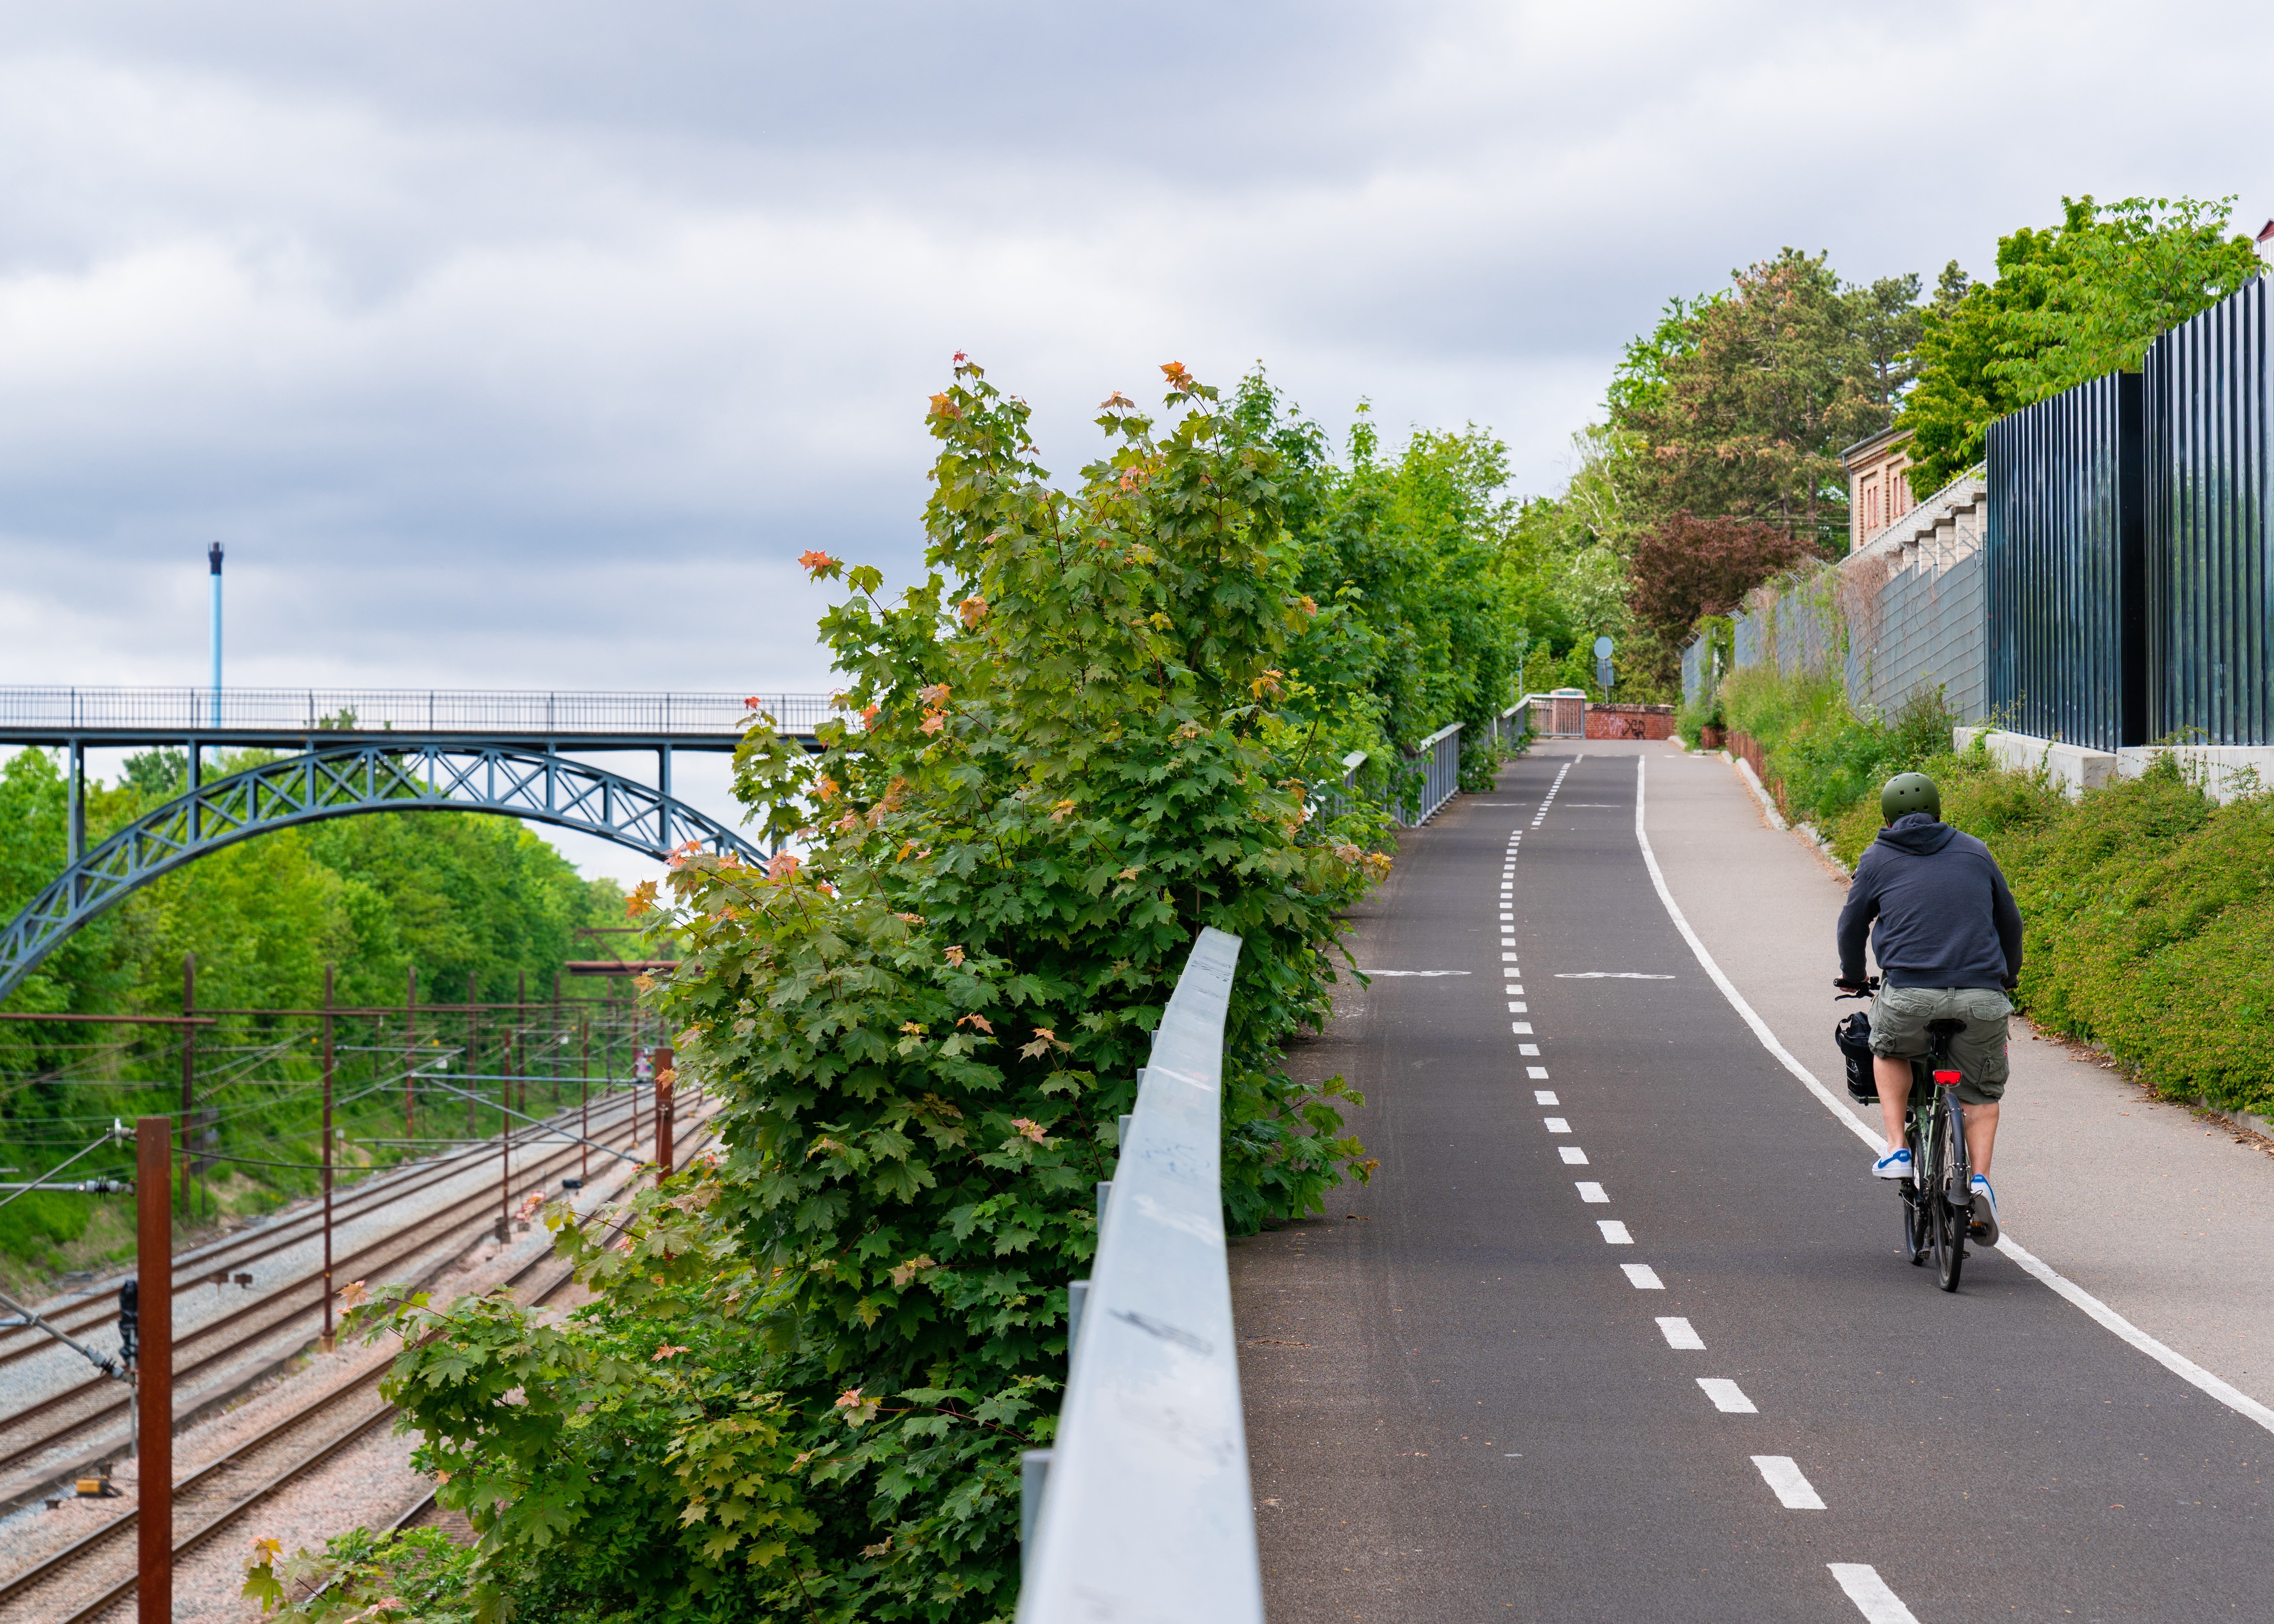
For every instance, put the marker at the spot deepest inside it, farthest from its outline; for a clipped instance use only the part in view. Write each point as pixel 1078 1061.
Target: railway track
pixel 208 1500
pixel 229 1254
pixel 428 1243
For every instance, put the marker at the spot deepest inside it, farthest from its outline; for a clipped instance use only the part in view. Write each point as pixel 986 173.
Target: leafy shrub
pixel 365 1578
pixel 1824 758
pixel 812 1362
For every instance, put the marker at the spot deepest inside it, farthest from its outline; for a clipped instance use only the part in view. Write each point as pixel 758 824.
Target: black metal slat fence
pixel 2210 578
pixel 2064 586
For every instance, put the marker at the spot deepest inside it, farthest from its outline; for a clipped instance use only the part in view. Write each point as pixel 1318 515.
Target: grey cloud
pixel 528 344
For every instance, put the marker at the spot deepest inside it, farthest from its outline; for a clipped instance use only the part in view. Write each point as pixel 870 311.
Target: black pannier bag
pixel 1854 1037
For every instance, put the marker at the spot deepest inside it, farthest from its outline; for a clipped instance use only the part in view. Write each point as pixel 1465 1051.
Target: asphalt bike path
pixel 1620 1330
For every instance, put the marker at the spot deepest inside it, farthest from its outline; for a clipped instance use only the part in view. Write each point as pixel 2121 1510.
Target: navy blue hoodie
pixel 1946 917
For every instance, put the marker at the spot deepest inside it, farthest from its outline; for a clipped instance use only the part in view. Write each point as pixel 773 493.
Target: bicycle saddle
pixel 1946 1027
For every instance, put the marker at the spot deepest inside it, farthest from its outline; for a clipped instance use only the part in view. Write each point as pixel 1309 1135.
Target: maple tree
pixel 1686 567
pixel 813 1359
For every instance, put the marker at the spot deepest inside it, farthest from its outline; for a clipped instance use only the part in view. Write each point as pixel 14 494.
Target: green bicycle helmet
pixel 1910 792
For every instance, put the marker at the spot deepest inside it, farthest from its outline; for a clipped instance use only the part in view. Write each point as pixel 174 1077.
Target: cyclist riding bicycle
pixel 1949 946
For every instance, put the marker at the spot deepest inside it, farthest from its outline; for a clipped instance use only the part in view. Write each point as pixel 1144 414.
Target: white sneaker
pixel 1985 1228
pixel 1896 1164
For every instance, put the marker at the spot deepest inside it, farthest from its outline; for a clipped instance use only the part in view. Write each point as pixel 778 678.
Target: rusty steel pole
pixel 504 1165
pixel 189 1064
pixel 473 1030
pixel 411 1056
pixel 585 1094
pixel 664 1116
pixel 328 1159
pixel 154 1375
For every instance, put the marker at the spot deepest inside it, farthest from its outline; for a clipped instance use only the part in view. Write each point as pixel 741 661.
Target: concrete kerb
pixel 2227 771
pixel 1760 792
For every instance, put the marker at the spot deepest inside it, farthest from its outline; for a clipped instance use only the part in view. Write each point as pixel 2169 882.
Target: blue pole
pixel 212 557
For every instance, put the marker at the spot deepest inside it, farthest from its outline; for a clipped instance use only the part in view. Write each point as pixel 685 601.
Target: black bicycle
pixel 1938 1197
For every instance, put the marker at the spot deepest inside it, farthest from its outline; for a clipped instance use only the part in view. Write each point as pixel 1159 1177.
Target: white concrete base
pixel 2226 772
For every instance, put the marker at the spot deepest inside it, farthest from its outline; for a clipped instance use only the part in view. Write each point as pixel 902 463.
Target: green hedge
pixel 2148 906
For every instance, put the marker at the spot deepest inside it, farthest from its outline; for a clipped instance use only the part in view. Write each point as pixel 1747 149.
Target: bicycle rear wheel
pixel 1950 1173
pixel 1950 1249
pixel 1916 1240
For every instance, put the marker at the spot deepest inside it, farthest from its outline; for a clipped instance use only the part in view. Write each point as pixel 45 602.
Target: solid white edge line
pixel 1873 1599
pixel 2185 1369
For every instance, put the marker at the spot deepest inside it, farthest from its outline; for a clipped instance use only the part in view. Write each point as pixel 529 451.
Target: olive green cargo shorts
pixel 1899 1018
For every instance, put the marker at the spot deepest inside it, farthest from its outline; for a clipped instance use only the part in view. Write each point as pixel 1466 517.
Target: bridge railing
pixel 1143 1508
pixel 1439 758
pixel 1512 726
pixel 397 710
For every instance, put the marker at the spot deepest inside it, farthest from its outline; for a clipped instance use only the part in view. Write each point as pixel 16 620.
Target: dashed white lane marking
pixel 1873 1599
pixel 1514 988
pixel 2185 1369
pixel 1678 1333
pixel 1614 1233
pixel 1519 1009
pixel 1556 1124
pixel 1543 1096
pixel 1642 1277
pixel 1728 1397
pixel 1591 1193
pixel 1538 1074
pixel 1573 1156
pixel 1783 1476
pixel 1522 1027
pixel 1508 958
pixel 1525 1049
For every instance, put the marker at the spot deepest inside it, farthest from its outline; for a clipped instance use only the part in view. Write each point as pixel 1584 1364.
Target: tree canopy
pixel 1737 404
pixel 2070 302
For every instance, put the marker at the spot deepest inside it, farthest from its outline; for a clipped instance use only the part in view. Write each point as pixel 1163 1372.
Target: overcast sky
pixel 521 345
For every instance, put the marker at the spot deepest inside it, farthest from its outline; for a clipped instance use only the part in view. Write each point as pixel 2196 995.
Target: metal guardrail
pixel 1438 756
pixel 1512 726
pixel 397 710
pixel 1143 1509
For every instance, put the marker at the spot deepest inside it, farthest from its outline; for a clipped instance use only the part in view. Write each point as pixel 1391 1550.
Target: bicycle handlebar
pixel 1864 988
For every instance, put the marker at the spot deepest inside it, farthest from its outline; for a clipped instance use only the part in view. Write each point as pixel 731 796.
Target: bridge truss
pixel 395 776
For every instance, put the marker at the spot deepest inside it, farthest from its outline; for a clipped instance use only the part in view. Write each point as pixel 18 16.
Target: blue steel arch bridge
pixel 341 751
